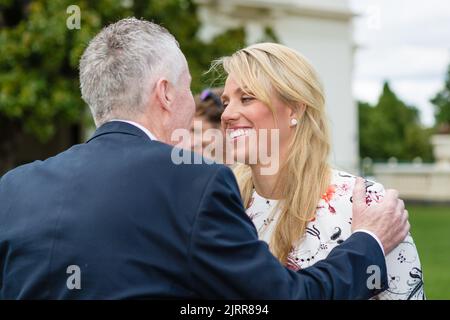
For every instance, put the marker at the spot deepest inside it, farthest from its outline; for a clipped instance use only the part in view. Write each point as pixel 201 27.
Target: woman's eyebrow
pixel 236 91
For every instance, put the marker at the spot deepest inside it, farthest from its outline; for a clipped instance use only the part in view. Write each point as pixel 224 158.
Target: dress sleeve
pixel 405 277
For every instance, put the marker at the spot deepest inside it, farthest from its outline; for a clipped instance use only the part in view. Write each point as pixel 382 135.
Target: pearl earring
pixel 294 122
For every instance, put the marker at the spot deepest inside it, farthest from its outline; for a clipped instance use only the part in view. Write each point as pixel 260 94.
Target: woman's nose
pixel 230 113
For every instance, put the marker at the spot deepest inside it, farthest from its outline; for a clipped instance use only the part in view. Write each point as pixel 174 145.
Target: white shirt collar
pixel 146 131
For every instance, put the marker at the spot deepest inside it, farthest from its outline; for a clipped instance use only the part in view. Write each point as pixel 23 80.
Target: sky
pixel 406 42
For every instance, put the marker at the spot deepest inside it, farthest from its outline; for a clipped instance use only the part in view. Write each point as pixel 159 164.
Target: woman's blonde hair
pixel 262 70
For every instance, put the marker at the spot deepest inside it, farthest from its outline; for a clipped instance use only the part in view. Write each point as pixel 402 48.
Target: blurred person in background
pixel 208 111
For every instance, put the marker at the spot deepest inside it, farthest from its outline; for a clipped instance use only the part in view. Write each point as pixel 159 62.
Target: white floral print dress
pixel 331 226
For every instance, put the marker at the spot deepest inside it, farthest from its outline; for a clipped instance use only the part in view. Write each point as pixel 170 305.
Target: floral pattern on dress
pixel 331 226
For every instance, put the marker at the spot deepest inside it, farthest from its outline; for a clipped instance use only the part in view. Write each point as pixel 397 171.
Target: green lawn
pixel 430 228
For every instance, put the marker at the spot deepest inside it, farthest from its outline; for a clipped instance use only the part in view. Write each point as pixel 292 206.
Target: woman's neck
pixel 266 186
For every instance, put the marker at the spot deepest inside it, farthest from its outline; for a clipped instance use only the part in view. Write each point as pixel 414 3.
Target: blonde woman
pixel 303 210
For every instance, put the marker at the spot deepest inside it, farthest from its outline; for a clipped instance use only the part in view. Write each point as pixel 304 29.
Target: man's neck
pixel 150 132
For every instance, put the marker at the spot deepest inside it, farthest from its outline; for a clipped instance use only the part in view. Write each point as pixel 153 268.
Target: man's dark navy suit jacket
pixel 118 217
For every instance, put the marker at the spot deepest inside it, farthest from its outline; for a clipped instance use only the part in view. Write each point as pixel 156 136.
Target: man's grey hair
pixel 122 62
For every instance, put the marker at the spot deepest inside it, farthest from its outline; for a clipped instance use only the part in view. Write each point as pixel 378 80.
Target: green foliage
pixel 442 103
pixel 392 129
pixel 269 36
pixel 39 66
pixel 200 57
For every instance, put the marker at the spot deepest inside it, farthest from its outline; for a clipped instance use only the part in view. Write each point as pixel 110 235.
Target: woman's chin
pixel 243 157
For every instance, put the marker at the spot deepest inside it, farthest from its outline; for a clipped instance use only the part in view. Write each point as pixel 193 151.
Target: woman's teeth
pixel 238 133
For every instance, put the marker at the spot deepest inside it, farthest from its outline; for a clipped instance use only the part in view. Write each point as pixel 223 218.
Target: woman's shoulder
pixel 337 200
pixel 345 183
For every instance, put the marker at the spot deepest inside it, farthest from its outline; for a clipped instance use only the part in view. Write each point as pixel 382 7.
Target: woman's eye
pixel 224 104
pixel 247 98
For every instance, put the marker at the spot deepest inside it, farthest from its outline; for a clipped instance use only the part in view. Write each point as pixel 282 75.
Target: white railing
pixel 415 180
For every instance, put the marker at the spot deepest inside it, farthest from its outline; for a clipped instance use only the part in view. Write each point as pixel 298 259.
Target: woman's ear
pixel 299 111
pixel 296 113
pixel 165 93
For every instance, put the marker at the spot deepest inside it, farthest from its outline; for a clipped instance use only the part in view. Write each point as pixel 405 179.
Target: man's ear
pixel 165 93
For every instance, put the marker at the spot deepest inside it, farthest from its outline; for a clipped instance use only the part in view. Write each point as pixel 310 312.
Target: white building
pixel 319 29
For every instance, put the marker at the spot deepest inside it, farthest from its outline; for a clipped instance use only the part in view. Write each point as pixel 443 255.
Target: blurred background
pixel 385 65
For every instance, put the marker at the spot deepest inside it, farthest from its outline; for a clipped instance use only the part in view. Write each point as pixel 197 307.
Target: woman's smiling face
pixel 245 116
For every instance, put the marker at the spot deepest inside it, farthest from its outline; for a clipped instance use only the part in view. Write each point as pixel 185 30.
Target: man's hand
pixel 388 219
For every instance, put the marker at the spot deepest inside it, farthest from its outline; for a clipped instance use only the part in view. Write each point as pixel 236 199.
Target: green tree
pixel 392 129
pixel 442 104
pixel 39 86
